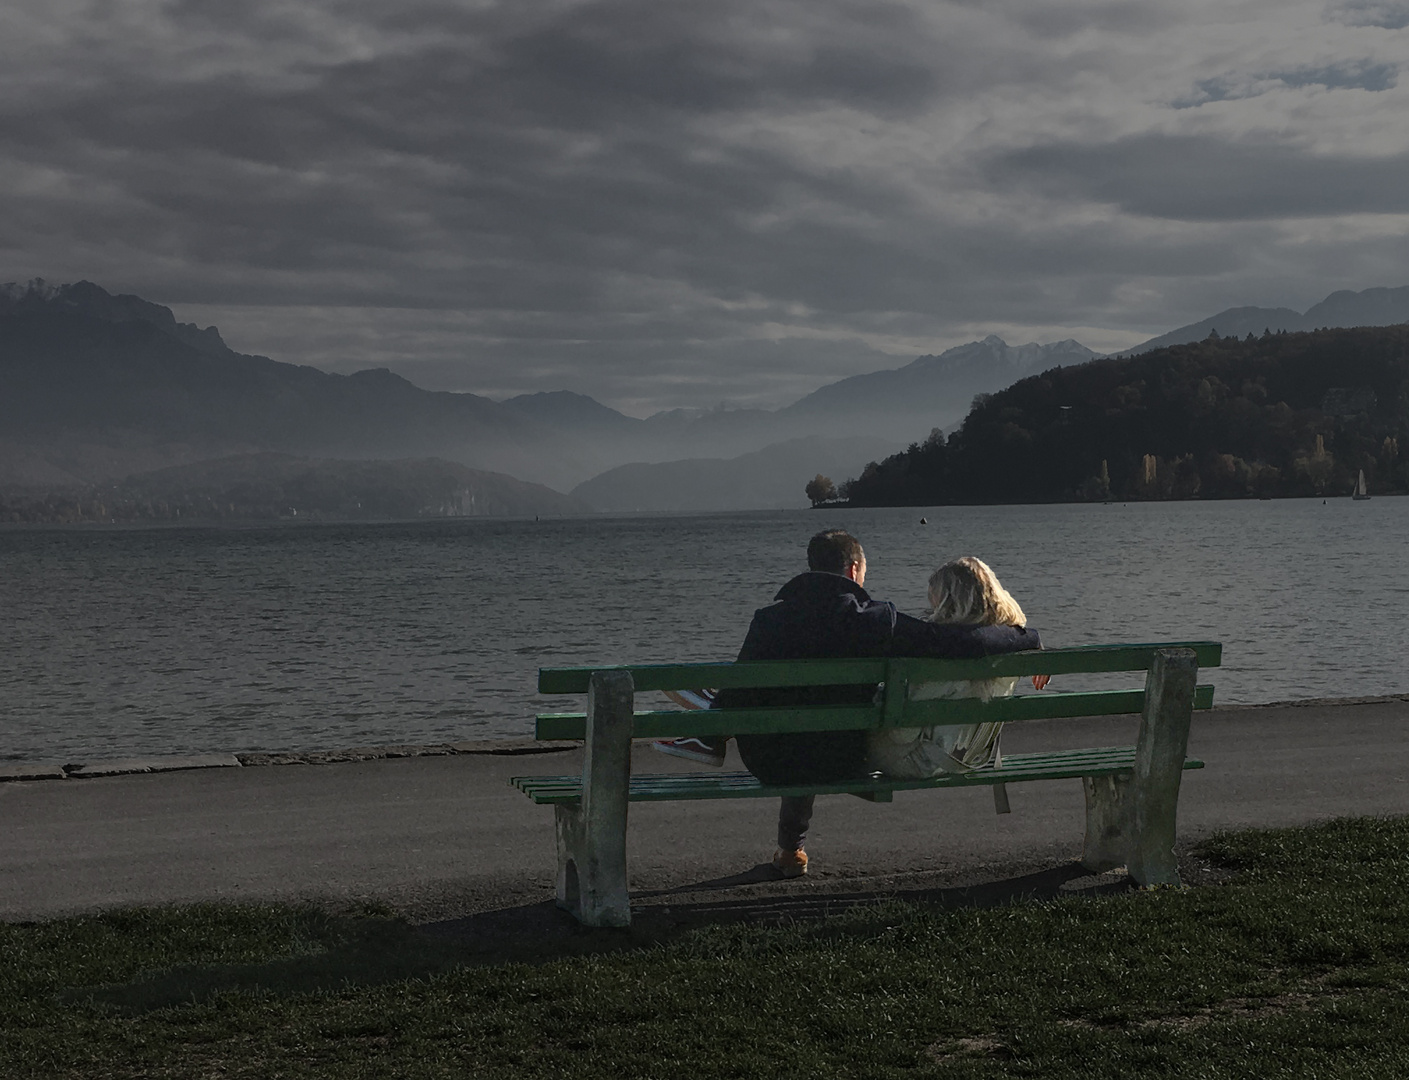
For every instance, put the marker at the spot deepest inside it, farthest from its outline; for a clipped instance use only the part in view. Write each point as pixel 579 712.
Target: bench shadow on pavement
pixel 373 951
pixel 538 932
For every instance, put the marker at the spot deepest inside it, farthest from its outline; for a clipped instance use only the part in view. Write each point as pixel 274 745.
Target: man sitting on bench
pixel 826 613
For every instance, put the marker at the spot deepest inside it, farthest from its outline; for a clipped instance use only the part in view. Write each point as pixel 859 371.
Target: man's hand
pixel 1039 682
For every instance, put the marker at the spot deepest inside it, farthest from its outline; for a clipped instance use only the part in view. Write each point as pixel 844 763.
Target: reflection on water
pixel 119 642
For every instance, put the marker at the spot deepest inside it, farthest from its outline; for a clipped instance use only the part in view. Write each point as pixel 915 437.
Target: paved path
pixel 446 837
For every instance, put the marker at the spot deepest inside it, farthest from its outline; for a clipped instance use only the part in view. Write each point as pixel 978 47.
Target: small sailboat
pixel 1360 492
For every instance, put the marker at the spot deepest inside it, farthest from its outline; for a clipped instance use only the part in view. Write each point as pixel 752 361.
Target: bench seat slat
pixel 667 723
pixel 1117 756
pixel 1056 765
pixel 1081 658
pixel 671 785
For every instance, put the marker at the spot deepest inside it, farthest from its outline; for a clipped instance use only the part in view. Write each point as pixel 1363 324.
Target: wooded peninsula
pixel 1281 415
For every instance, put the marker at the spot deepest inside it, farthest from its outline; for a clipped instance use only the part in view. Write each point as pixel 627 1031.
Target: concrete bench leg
pixel 1159 765
pixel 592 833
pixel 1130 821
pixel 1107 822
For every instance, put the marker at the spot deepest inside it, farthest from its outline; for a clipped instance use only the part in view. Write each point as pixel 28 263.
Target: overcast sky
pixel 662 203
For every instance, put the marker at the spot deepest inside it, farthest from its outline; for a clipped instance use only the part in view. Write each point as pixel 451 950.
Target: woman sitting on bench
pixel 963 591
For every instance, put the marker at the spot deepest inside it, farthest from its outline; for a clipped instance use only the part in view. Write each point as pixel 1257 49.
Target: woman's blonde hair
pixel 967 591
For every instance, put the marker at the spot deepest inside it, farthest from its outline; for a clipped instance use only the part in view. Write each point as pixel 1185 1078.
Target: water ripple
pixel 119 641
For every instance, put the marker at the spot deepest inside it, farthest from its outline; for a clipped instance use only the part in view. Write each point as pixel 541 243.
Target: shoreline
pixel 157 763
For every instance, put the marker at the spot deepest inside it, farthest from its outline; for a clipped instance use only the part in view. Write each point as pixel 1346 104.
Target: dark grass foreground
pixel 1294 966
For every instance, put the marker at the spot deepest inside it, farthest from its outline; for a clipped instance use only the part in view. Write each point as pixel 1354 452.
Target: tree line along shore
pixel 278 487
pixel 1282 415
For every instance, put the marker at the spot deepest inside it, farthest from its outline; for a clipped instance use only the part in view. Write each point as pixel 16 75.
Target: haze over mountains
pixel 95 388
pixel 98 387
pixel 276 485
pixel 762 480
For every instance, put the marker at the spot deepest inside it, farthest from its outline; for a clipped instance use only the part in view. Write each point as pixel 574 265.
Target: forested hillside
pixel 1280 415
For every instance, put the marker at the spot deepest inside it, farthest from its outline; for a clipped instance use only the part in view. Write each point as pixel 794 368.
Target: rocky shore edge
pixel 13 771
pixel 177 762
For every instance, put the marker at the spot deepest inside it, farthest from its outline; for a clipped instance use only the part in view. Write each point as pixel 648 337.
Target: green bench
pixel 1131 791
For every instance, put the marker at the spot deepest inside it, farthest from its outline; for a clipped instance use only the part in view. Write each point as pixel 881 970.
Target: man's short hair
pixel 833 550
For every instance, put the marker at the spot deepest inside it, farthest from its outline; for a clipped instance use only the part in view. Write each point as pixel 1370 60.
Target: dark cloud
pixel 1386 14
pixel 1063 21
pixel 643 198
pixel 1198 178
pixel 634 57
pixel 557 150
pixel 1364 75
pixel 1348 75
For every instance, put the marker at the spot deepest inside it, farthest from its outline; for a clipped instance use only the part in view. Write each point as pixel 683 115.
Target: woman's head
pixel 967 591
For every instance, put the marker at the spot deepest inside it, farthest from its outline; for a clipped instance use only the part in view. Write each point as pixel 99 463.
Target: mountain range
pixel 1372 307
pixel 96 388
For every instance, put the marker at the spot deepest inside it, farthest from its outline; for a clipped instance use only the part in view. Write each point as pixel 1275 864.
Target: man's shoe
pixel 705 751
pixel 790 863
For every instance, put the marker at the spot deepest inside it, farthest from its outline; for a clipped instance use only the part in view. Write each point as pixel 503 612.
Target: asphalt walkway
pixel 446 837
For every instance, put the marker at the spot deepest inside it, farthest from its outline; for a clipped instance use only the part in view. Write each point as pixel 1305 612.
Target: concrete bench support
pixel 1131 821
pixel 592 832
pixel 1107 822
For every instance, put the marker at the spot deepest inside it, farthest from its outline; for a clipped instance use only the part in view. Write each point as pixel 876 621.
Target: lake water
pixel 117 641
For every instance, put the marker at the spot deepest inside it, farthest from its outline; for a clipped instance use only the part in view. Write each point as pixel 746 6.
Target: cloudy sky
pixel 662 203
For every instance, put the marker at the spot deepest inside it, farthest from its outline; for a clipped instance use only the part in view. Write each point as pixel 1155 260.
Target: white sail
pixel 1360 490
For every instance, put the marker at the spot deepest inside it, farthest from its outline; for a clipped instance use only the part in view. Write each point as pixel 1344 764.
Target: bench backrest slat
pixel 1078 659
pixel 658 724
pixel 573 680
pixel 662 724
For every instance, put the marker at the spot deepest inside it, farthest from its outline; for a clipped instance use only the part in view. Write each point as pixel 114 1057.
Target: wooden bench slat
pixel 573 680
pixel 1119 757
pixel 1016 768
pixel 655 724
pixel 1081 658
pixel 668 723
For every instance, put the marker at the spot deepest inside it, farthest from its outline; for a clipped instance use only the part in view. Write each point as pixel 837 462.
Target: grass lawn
pixel 1294 966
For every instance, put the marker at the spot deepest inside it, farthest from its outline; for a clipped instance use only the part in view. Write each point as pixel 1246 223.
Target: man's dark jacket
pixel 818 615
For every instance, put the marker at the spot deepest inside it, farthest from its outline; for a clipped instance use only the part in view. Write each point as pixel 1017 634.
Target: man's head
pixel 836 551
